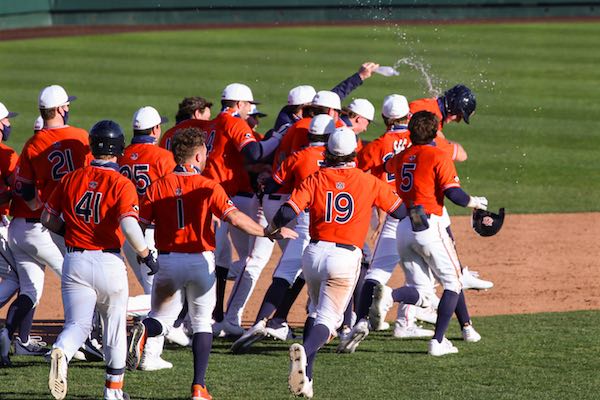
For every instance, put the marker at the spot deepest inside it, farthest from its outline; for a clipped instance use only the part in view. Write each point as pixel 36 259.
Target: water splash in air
pixel 431 82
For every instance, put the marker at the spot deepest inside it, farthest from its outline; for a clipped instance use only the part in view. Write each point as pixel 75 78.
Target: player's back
pixel 285 148
pixel 300 137
pixel 51 154
pixel 144 163
pixel 94 200
pixel 423 173
pixel 167 137
pixel 226 163
pixel 181 205
pixel 340 203
pixel 430 104
pixel 298 167
pixel 374 155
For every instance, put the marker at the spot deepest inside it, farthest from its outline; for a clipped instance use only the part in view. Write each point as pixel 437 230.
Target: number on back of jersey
pixel 88 207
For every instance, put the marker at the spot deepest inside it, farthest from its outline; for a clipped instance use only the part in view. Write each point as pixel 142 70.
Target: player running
pixel 94 208
pixel 339 197
pixel 180 205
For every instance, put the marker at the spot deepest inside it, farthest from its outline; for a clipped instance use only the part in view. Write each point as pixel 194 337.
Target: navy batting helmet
pixel 487 223
pixel 459 100
pixel 106 138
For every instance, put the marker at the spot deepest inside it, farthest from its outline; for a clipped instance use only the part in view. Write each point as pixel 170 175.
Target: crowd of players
pixel 207 185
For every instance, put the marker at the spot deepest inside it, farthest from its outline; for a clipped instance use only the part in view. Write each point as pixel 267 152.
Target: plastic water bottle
pixel 387 71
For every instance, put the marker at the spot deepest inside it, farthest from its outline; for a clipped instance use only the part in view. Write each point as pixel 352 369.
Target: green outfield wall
pixel 45 13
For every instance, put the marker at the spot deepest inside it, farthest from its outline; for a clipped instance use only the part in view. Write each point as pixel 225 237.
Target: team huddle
pixel 174 205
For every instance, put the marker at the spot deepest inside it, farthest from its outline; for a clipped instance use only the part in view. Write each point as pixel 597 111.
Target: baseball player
pixel 232 145
pixel 180 205
pixel 456 104
pixel 290 174
pixel 339 198
pixel 425 176
pixel 98 206
pixel 9 281
pixel 191 109
pixel 47 156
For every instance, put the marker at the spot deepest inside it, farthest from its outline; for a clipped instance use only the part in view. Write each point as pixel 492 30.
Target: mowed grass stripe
pixel 531 143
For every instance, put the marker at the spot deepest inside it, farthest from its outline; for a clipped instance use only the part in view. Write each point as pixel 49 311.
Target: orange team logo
pixel 340 185
pixel 93 185
pixel 412 158
pixel 178 192
pixel 488 221
pixel 134 156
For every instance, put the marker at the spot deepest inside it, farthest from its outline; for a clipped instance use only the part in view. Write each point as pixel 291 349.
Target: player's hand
pixel 366 70
pixel 480 203
pixel 280 133
pixel 151 262
pixel 286 233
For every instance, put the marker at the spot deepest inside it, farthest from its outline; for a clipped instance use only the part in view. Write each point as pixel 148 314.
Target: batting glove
pixel 480 203
pixel 151 262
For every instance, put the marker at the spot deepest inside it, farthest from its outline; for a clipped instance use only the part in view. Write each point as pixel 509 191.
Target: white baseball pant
pixel 94 279
pixel 271 203
pixel 33 247
pixel 331 273
pixel 9 281
pixel 429 249
pixel 290 264
pixel 183 276
pixel 223 248
pixel 140 269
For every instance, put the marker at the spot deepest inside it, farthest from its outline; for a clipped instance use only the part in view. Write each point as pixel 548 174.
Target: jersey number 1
pixel 88 206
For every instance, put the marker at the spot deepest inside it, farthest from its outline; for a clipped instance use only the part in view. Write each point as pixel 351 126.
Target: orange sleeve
pixel 25 171
pixel 365 157
pixel 302 196
pixel 54 205
pixel 386 198
pixel 241 133
pixel 446 173
pixel 220 203
pixel 392 165
pixel 8 163
pixel 146 210
pixel 449 148
pixel 284 172
pixel 127 199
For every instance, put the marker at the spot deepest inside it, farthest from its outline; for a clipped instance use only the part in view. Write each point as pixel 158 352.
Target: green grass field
pixel 532 144
pixel 539 356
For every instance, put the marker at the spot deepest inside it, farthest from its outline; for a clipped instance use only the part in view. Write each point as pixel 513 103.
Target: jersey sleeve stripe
pixel 51 210
pixel 455 152
pixel 245 143
pixel 129 214
pixel 294 206
pixel 395 206
pixel 450 185
pixel 24 180
pixel 145 221
pixel 230 209
pixel 277 178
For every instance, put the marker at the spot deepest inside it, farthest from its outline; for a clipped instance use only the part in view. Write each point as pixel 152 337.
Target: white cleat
pixel 257 332
pixel 33 347
pixel 412 331
pixel 382 302
pixel 298 382
pixel 470 335
pixel 178 336
pixel 438 349
pixel 359 332
pixel 57 379
pixel 471 280
pixel 282 333
pixel 154 364
pixel 426 314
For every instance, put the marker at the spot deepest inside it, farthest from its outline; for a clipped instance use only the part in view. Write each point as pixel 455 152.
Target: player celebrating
pixel 99 207
pixel 191 111
pixel 425 175
pixel 339 197
pixel 180 205
pixel 47 156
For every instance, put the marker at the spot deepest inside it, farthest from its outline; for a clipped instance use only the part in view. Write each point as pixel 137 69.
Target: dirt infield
pixel 538 263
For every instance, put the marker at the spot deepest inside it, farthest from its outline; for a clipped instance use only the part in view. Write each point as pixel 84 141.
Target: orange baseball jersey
pixel 300 137
pixel 8 164
pixel 423 173
pixel 340 201
pixel 143 163
pixel 429 104
pixel 51 154
pixel 374 155
pixel 226 163
pixel 166 138
pixel 180 205
pixel 284 149
pixel 298 167
pixel 92 201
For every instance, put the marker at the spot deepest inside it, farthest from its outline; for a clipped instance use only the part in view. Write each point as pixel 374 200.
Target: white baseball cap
pixel 328 99
pixel 147 117
pixel 54 96
pixel 38 124
pixel 301 95
pixel 4 113
pixel 342 142
pixel 321 124
pixel 238 92
pixel 362 107
pixel 255 111
pixel 395 106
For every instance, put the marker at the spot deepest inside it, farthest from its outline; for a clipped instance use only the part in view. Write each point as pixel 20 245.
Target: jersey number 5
pixel 407 176
pixel 338 208
pixel 88 206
